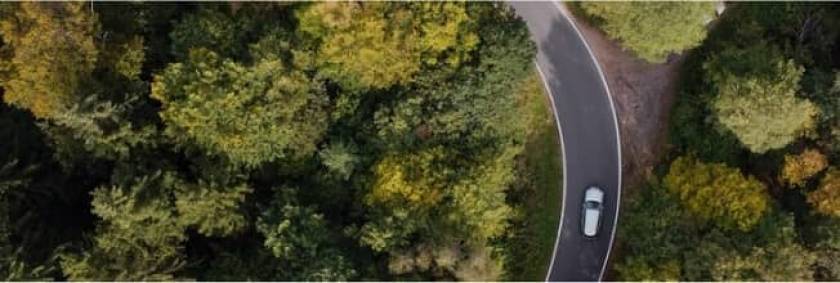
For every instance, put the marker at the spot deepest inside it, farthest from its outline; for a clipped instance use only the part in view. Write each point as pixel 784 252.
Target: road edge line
pixel 571 20
pixel 562 152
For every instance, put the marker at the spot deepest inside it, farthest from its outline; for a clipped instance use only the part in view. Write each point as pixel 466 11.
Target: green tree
pixel 139 237
pixel 298 237
pixel 826 199
pixel 13 267
pixel 52 53
pixel 780 259
pixel 827 247
pixel 96 128
pixel 213 209
pixel 478 201
pixel 636 269
pixel 756 97
pixel 653 30
pixel 656 233
pixel 826 95
pixel 248 114
pixel 340 158
pixel 434 112
pixel 771 252
pixel 207 28
pixel 144 222
pixel 714 191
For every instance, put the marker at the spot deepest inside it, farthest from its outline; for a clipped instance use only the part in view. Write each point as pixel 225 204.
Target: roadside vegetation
pixel 749 188
pixel 651 30
pixel 539 190
pixel 273 141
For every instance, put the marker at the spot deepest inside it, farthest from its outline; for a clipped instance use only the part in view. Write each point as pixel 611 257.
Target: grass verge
pixel 539 191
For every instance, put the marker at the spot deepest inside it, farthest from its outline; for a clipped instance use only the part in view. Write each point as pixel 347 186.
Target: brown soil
pixel 643 94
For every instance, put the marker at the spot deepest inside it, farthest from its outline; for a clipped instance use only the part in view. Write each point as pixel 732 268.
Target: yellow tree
pixel 826 199
pixel 716 192
pixel 798 168
pixel 52 51
pixel 413 181
pixel 377 45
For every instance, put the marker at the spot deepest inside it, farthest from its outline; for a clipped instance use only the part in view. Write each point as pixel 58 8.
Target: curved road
pixel 589 134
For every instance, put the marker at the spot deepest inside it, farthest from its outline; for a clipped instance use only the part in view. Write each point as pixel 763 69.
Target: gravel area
pixel 643 94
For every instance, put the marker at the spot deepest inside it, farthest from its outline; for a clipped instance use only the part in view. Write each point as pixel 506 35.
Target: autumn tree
pixel 653 30
pixel 714 191
pixel 480 265
pixel 248 114
pixel 826 199
pixel 52 54
pixel 799 168
pixel 454 192
pixel 420 194
pixel 756 96
pixel 406 188
pixel 377 45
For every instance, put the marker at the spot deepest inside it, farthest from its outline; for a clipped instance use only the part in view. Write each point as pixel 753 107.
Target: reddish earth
pixel 643 94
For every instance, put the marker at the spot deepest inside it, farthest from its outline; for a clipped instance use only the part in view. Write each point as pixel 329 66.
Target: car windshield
pixel 590 204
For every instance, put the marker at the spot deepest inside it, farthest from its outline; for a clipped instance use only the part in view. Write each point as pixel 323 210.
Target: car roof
pixel 590 223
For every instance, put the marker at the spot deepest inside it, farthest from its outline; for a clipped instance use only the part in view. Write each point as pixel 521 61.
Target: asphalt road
pixel 589 134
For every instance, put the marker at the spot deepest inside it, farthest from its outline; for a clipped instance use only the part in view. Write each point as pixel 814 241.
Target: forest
pixel 268 141
pixel 749 186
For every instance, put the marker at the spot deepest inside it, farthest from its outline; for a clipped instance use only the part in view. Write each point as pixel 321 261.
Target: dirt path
pixel 643 94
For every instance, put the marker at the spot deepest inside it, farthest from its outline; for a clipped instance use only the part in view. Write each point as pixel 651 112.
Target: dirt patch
pixel 643 94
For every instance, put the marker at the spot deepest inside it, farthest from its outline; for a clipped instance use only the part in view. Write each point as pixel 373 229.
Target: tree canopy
pixel 653 30
pixel 756 97
pixel 248 114
pixel 52 52
pixel 259 141
pixel 798 168
pixel 826 199
pixel 752 153
pixel 717 192
pixel 377 45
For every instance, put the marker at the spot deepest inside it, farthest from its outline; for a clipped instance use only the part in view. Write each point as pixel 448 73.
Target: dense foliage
pixel 754 135
pixel 246 141
pixel 718 193
pixel 653 30
pixel 756 96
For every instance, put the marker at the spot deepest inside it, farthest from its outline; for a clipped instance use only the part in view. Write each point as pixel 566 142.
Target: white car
pixel 593 203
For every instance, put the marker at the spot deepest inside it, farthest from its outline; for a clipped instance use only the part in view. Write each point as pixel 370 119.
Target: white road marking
pixel 563 153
